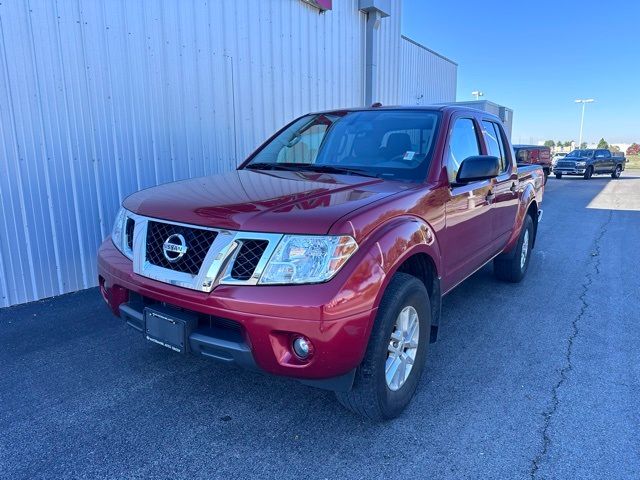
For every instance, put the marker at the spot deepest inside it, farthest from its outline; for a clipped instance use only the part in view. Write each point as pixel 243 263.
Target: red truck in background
pixel 324 257
pixel 534 155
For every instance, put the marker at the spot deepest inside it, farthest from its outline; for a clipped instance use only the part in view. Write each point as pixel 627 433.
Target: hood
pixel 262 201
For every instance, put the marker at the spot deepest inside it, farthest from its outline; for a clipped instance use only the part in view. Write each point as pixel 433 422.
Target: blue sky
pixel 538 56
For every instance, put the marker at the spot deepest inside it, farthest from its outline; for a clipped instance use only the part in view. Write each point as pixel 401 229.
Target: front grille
pixel 128 230
pixel 209 321
pixel 247 259
pixel 197 242
pixel 562 164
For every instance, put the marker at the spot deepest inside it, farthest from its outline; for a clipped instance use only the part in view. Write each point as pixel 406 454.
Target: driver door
pixel 467 238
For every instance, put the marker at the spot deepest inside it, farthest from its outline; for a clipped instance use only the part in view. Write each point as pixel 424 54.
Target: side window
pixel 503 148
pixel 522 156
pixel 463 143
pixel 495 145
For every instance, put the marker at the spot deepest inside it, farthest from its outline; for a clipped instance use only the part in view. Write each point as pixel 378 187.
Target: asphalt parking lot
pixel 535 380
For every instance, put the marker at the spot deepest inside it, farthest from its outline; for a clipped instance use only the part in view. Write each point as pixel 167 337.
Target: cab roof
pixel 445 109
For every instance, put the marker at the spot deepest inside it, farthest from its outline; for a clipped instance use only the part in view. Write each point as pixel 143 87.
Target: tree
pixel 583 145
pixel 568 143
pixel 614 148
pixel 634 149
pixel 603 143
pixel 549 143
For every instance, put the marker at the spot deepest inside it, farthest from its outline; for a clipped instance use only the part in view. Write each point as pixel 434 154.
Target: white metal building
pixel 99 99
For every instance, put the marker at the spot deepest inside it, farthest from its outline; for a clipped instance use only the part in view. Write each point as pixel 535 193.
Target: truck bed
pixel 534 173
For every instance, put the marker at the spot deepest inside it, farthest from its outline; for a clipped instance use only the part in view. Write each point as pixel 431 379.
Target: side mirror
pixel 480 167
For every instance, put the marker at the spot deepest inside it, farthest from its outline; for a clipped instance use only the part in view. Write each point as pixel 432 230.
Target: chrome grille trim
pixel 272 238
pixel 217 264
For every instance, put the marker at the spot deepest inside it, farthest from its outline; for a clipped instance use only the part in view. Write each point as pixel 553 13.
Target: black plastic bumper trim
pixel 211 343
pixel 343 383
pixel 228 346
pixel 133 314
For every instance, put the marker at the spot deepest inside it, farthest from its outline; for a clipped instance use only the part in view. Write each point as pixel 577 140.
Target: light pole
pixel 584 102
pixel 477 94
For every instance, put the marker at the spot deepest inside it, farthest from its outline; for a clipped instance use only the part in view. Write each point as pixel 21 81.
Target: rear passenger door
pixel 505 193
pixel 467 237
pixel 607 161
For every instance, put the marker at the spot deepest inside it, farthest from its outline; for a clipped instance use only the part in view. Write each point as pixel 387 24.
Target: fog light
pixel 302 347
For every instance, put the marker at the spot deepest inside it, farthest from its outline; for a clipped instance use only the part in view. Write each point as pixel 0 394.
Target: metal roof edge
pixel 404 37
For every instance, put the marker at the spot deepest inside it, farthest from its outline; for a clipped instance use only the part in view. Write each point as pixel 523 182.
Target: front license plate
pixel 166 330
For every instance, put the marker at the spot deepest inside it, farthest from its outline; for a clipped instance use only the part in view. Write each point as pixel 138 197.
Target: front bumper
pixel 570 171
pixel 252 326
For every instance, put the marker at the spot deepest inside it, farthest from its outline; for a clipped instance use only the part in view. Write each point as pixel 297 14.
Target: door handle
pixel 490 197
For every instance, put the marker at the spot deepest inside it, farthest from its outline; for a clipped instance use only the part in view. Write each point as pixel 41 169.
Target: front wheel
pixel 388 376
pixel 513 267
pixel 588 173
pixel 617 172
pixel 558 176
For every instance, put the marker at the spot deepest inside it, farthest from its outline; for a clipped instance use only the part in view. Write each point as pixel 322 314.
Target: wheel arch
pixel 422 266
pixel 532 210
pixel 528 206
pixel 409 245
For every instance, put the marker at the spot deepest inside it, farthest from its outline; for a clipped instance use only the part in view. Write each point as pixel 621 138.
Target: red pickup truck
pixel 325 255
pixel 535 155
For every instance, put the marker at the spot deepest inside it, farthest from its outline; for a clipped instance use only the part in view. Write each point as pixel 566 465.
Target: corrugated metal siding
pixel 100 99
pixel 426 77
pixel 389 67
pixel 409 73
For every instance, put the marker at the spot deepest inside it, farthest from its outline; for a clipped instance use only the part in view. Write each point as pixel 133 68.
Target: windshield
pixel 391 144
pixel 581 153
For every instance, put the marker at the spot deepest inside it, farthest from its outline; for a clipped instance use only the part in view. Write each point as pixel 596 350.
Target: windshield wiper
pixel 272 166
pixel 344 170
pixel 313 167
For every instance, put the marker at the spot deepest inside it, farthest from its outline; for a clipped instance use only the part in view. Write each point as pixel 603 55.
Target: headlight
pixel 581 164
pixel 307 259
pixel 119 231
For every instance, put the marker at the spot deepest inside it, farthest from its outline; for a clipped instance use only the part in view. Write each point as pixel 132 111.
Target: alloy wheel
pixel 403 347
pixel 525 249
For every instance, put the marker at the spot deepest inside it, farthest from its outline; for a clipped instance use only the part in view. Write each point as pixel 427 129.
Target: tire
pixel 371 395
pixel 511 268
pixel 558 176
pixel 616 172
pixel 588 173
pixel 546 176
